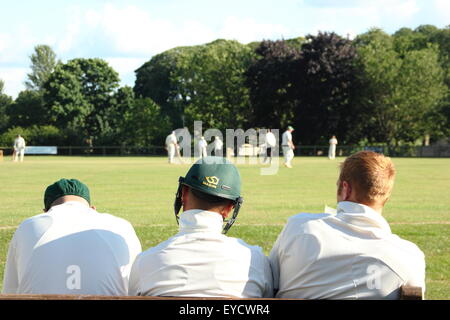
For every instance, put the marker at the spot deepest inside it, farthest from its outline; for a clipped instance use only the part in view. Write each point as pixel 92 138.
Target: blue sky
pixel 126 33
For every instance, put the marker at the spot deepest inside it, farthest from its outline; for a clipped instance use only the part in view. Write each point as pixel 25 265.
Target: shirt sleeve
pixel 134 249
pixel 418 278
pixel 274 260
pixel 11 277
pixel 268 290
pixel 133 284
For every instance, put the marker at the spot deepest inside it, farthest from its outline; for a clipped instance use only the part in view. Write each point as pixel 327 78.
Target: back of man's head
pixel 205 201
pixel 212 184
pixel 371 176
pixel 65 187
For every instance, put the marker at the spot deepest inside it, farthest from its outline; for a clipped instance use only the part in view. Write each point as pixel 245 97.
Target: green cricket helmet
pixel 215 176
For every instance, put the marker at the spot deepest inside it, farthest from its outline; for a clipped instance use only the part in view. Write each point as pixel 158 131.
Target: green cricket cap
pixel 215 176
pixel 290 128
pixel 65 187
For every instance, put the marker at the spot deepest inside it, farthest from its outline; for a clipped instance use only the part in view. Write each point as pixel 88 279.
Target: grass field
pixel 142 190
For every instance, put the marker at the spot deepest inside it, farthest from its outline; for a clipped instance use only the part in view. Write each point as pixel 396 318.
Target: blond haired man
pixel 351 254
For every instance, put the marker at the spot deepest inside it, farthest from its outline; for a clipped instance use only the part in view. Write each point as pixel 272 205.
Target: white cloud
pixel 354 17
pixel 247 30
pixel 13 79
pixel 443 10
pixel 68 41
pixel 128 30
pixel 125 67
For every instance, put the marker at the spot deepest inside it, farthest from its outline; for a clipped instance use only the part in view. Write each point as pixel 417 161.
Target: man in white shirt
pixel 202 144
pixel 288 146
pixel 71 248
pixel 218 146
pixel 200 261
pixel 351 254
pixel 19 148
pixel 270 142
pixel 171 146
pixel 332 149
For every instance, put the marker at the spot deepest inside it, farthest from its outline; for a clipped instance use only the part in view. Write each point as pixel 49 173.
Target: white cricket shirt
pixel 171 139
pixel 202 144
pixel 350 255
pixel 199 261
pixel 71 249
pixel 19 143
pixel 271 141
pixel 218 144
pixel 333 141
pixel 287 136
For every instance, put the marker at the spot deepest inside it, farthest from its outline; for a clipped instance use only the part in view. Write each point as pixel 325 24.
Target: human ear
pixel 346 190
pixel 226 210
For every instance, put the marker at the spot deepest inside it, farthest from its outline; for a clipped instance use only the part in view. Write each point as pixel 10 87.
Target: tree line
pixel 376 88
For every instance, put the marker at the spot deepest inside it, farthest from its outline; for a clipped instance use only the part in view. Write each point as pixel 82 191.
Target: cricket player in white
pixel 171 146
pixel 332 149
pixel 288 146
pixel 200 261
pixel 270 142
pixel 218 146
pixel 352 254
pixel 19 148
pixel 71 248
pixel 202 144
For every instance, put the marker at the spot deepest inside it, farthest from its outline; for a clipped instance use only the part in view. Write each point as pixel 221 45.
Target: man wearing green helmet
pixel 200 260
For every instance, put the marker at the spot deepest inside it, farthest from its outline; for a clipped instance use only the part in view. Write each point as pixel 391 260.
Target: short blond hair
pixel 370 174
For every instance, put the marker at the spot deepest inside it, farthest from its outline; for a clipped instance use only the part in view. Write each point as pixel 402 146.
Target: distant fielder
pixel 202 144
pixel 19 148
pixel 270 142
pixel 332 149
pixel 288 146
pixel 218 146
pixel 171 146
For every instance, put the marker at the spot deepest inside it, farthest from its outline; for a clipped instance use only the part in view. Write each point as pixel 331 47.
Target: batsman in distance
pixel 200 260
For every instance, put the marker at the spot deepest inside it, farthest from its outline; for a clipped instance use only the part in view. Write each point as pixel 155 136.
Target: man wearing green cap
pixel 288 146
pixel 200 260
pixel 70 248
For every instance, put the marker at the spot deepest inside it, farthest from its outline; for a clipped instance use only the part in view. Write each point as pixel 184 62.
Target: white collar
pixel 197 220
pixel 362 216
pixel 74 204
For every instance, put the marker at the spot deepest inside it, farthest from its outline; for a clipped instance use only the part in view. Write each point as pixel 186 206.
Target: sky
pixel 127 33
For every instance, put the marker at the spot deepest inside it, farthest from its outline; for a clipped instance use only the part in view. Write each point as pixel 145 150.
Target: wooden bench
pixel 406 293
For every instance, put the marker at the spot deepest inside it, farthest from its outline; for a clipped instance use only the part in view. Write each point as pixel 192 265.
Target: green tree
pixel 43 62
pixel 5 103
pixel 214 83
pixel 326 85
pixel 400 92
pixel 144 124
pixel 79 95
pixel 203 82
pixel 160 79
pixel 28 109
pixel 270 79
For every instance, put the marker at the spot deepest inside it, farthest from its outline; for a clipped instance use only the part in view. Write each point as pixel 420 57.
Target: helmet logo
pixel 211 182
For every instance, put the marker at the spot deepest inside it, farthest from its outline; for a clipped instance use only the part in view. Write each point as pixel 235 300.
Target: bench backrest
pixel 406 293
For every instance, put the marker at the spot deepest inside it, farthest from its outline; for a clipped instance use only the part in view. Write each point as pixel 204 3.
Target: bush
pixel 34 136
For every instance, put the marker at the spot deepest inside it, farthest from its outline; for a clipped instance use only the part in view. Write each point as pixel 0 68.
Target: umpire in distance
pixel 201 261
